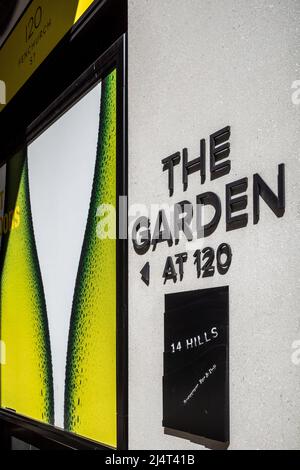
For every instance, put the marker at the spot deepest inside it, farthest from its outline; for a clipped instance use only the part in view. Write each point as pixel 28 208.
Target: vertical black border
pixel 43 435
pixel 122 253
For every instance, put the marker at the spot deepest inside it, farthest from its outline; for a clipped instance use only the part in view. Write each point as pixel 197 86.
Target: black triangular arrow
pixel 145 272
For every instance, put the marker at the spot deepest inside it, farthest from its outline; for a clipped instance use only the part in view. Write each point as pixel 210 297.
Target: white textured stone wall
pixel 196 66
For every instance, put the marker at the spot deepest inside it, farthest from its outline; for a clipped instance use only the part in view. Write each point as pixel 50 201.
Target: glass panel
pixel 58 275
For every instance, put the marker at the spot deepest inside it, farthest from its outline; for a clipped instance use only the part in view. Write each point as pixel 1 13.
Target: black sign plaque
pixel 196 364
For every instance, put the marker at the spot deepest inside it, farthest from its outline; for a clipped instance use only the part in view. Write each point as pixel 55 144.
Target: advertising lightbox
pixel 58 271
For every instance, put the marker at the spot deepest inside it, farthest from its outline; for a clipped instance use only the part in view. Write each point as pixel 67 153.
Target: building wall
pixel 195 67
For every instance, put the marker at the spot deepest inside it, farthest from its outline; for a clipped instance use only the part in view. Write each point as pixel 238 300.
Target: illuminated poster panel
pixel 58 272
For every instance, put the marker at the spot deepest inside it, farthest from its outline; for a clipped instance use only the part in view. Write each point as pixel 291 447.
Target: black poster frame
pixel 39 434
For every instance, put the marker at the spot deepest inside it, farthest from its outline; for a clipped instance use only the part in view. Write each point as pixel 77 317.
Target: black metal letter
pixel 180 259
pixel 219 152
pixel 182 224
pixel 143 246
pixel 169 271
pixel 162 232
pixel 276 203
pixel 236 204
pixel 168 164
pixel 198 164
pixel 204 200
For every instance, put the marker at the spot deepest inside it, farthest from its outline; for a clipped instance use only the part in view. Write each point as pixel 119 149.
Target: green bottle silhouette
pixel 90 389
pixel 26 376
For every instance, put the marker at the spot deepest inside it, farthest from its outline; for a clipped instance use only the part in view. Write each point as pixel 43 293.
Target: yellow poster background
pixel 40 29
